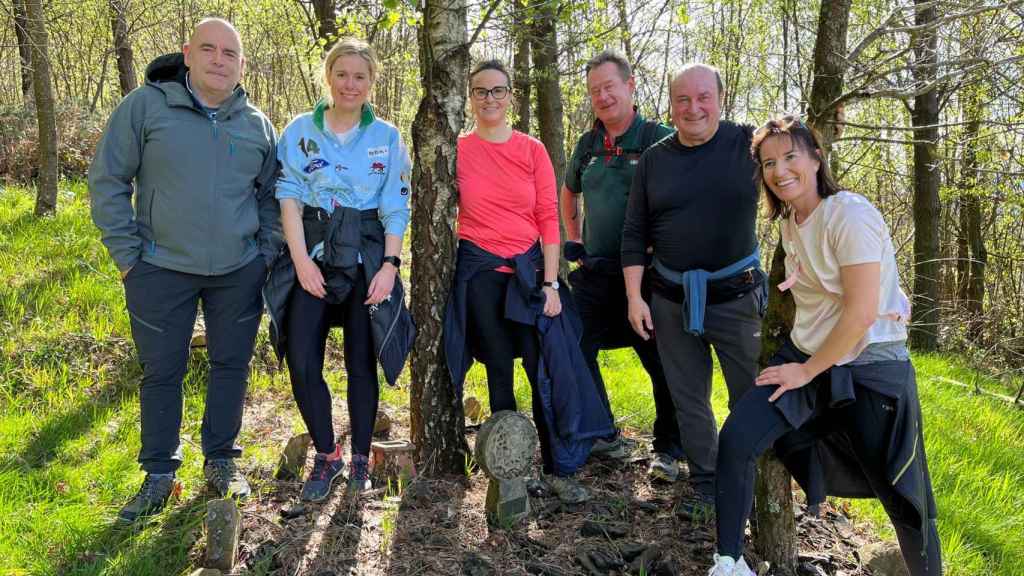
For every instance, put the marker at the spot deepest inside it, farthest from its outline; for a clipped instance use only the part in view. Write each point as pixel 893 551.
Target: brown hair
pixel 804 138
pixel 491 65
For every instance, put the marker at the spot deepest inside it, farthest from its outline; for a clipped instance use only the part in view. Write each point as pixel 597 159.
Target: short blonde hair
pixel 348 46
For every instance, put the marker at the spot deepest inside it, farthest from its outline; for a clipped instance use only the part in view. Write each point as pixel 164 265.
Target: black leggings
pixel 496 342
pixel 309 321
pixel 755 424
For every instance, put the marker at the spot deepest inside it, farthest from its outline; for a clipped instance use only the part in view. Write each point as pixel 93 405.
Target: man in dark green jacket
pixel 182 191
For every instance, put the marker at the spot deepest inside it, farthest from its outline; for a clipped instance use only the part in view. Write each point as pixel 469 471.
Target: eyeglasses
pixel 498 92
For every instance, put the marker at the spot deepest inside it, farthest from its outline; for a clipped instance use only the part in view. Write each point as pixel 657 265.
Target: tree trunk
pixel 775 538
pixel 326 22
pixel 435 410
pixel 624 32
pixel 549 93
pixel 970 206
pixel 925 117
pixel 521 65
pixel 122 46
pixel 24 49
pixel 46 195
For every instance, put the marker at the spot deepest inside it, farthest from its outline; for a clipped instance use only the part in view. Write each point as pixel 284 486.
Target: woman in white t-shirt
pixel 838 401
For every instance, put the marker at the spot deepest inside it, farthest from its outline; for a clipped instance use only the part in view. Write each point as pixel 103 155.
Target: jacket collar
pixel 365 119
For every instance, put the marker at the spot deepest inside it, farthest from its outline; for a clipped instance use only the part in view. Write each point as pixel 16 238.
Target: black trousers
pixel 162 305
pixel 755 424
pixel 309 321
pixel 603 308
pixel 497 342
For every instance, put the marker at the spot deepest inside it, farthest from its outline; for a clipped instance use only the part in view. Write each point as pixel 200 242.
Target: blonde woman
pixel 344 207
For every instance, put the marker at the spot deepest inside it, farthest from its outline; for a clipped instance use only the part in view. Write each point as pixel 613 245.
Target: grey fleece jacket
pixel 203 184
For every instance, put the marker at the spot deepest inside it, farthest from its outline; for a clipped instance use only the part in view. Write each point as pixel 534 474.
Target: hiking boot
pixel 663 468
pixel 618 448
pixel 700 510
pixel 223 477
pixel 726 566
pixel 358 475
pixel 567 488
pixel 326 467
pixel 150 499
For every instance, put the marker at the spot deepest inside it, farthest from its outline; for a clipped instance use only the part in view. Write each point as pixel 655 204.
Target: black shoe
pixel 223 477
pixel 150 499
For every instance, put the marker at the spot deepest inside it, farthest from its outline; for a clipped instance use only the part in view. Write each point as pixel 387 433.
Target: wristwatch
pixel 394 260
pixel 552 284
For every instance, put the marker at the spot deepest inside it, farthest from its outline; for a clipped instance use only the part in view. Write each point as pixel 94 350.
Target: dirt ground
pixel 439 526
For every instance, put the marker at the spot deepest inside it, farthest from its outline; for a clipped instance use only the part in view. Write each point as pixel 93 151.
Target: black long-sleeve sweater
pixel 695 205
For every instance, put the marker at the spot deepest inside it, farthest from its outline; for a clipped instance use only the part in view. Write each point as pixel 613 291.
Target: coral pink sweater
pixel 507 197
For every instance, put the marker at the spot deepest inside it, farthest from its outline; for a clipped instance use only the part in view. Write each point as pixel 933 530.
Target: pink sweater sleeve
pixel 546 209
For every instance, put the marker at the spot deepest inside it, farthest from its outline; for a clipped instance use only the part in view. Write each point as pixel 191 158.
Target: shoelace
pixel 319 468
pixel 149 488
pixel 359 471
pixel 222 472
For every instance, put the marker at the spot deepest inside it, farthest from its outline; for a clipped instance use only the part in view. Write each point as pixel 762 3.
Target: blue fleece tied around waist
pixel 695 286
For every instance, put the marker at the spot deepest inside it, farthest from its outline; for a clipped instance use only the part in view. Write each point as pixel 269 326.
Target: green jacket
pixel 202 182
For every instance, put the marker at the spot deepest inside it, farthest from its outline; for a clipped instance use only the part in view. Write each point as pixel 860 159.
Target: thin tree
pixel 435 409
pixel 122 46
pixel 925 119
pixel 521 64
pixel 20 21
pixel 775 537
pixel 46 118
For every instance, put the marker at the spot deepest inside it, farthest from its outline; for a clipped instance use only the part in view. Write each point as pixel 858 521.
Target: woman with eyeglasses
pixel 507 269
pixel 838 402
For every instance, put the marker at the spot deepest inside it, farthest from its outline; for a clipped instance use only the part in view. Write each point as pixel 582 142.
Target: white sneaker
pixel 726 566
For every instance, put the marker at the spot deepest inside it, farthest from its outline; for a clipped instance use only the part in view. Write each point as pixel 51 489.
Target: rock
pixel 646 506
pixel 592 528
pixel 391 463
pixel 473 409
pixel 646 561
pixel 808 569
pixel 884 559
pixel 294 511
pixel 843 527
pixel 631 549
pixel 223 527
pixel 474 564
pixel 541 569
pixel 293 459
pixel 382 426
pixel 598 562
pixel 206 572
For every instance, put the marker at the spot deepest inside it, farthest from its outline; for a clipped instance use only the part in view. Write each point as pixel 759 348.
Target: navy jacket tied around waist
pixel 572 407
pixel 820 458
pixel 349 235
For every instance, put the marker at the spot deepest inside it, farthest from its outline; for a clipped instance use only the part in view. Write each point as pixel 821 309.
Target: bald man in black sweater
pixel 694 202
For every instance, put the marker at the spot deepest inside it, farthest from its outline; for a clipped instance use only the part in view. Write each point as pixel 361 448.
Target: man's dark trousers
pixel 603 308
pixel 162 305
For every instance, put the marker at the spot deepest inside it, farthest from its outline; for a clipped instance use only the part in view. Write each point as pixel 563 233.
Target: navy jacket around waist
pixel 572 407
pixel 349 235
pixel 819 456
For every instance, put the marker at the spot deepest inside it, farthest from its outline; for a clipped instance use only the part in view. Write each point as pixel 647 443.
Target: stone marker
pixel 293 459
pixel 223 527
pixel 392 461
pixel 504 450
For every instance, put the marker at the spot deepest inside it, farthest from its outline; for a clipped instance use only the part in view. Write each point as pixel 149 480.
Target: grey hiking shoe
pixel 318 484
pixel 223 477
pixel 663 468
pixel 150 498
pixel 618 448
pixel 567 488
pixel 358 475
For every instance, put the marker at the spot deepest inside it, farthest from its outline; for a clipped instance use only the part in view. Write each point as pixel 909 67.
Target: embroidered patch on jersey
pixel 309 147
pixel 405 191
pixel 315 165
pixel 377 151
pixel 405 176
pixel 377 169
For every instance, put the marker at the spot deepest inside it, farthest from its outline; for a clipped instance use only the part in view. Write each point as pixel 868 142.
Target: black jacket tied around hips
pixel 348 235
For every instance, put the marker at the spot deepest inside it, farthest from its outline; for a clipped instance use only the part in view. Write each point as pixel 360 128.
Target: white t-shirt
pixel 844 230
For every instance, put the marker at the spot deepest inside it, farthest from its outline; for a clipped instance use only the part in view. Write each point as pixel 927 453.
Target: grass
pixel 69 421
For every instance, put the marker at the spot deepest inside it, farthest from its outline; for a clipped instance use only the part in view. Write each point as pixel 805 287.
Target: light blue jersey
pixel 370 170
